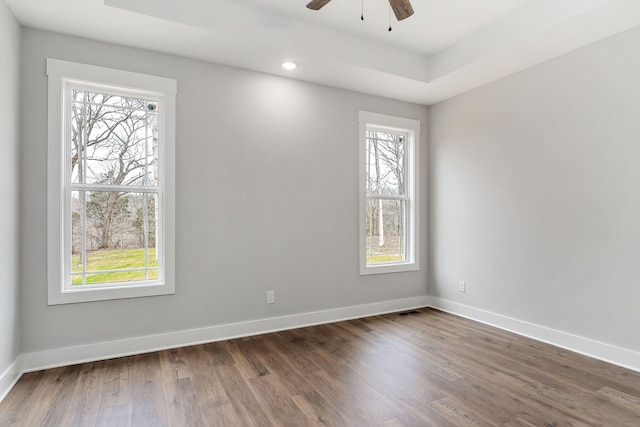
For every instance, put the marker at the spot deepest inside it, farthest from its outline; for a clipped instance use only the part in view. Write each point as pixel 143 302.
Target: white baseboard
pixel 10 377
pixel 588 347
pixel 106 350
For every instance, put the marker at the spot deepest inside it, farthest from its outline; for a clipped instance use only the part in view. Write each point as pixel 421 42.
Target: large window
pixel 110 207
pixel 388 194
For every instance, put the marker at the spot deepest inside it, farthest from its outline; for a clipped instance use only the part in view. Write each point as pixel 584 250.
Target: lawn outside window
pixel 388 194
pixel 110 184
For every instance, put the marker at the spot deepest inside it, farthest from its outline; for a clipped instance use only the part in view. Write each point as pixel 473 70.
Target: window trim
pixel 412 129
pixel 60 74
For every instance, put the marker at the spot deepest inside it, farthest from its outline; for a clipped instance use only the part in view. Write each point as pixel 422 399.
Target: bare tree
pixel 110 146
pixel 386 177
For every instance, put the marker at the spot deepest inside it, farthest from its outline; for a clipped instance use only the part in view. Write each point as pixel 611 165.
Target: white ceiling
pixel 436 25
pixel 447 47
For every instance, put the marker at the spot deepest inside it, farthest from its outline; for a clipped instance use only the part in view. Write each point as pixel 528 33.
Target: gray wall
pixel 267 191
pixel 9 152
pixel 535 194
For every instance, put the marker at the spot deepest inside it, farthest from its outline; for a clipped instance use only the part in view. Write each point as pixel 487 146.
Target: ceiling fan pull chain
pixel 362 10
pixel 390 18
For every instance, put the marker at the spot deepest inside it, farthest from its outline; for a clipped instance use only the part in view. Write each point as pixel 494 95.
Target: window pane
pixel 385 225
pixel 78 249
pixel 113 231
pixel 385 163
pixel 152 229
pixel 113 139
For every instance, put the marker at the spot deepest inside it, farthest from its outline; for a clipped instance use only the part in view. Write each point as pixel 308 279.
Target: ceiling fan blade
pixel 317 4
pixel 401 8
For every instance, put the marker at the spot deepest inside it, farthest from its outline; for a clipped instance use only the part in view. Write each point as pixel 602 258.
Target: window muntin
pixel 389 220
pixel 111 184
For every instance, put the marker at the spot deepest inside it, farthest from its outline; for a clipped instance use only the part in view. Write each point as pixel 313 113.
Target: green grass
pixel 114 259
pixel 376 258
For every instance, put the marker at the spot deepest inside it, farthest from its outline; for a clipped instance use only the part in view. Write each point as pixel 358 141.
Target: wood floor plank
pixel 218 354
pixel 293 352
pixel 404 420
pixel 211 398
pixel 419 368
pixel 276 401
pixel 181 403
pixel 405 397
pixel 148 400
pixel 114 416
pixel 56 386
pixel 245 358
pixel 84 398
pixel 613 394
pixel 618 414
pixel 318 410
pixel 356 412
pixel 224 416
pixel 114 384
pixel 16 404
pixel 241 396
pixel 451 410
pixel 357 389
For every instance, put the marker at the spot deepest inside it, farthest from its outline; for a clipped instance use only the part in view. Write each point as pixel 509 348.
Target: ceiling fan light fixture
pixel 289 65
pixel 402 9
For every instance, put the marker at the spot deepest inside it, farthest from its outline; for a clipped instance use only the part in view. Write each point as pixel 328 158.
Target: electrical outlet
pixel 462 286
pixel 271 297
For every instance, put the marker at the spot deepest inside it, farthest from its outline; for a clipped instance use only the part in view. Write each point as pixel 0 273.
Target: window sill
pixel 389 268
pixel 104 294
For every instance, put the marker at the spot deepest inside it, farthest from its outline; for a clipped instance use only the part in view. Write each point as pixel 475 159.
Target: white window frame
pixel 61 76
pixel 411 128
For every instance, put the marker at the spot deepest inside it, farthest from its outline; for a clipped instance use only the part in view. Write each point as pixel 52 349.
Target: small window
pixel 388 194
pixel 110 207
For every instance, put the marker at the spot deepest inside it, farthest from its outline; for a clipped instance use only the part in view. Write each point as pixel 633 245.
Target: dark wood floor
pixel 426 368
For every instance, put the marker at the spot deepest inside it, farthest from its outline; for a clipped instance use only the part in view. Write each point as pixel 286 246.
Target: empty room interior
pixel 348 213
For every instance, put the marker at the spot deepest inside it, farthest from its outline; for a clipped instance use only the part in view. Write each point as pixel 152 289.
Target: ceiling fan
pixel 401 8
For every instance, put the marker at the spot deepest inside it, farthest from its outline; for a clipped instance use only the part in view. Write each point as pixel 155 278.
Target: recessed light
pixel 288 65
